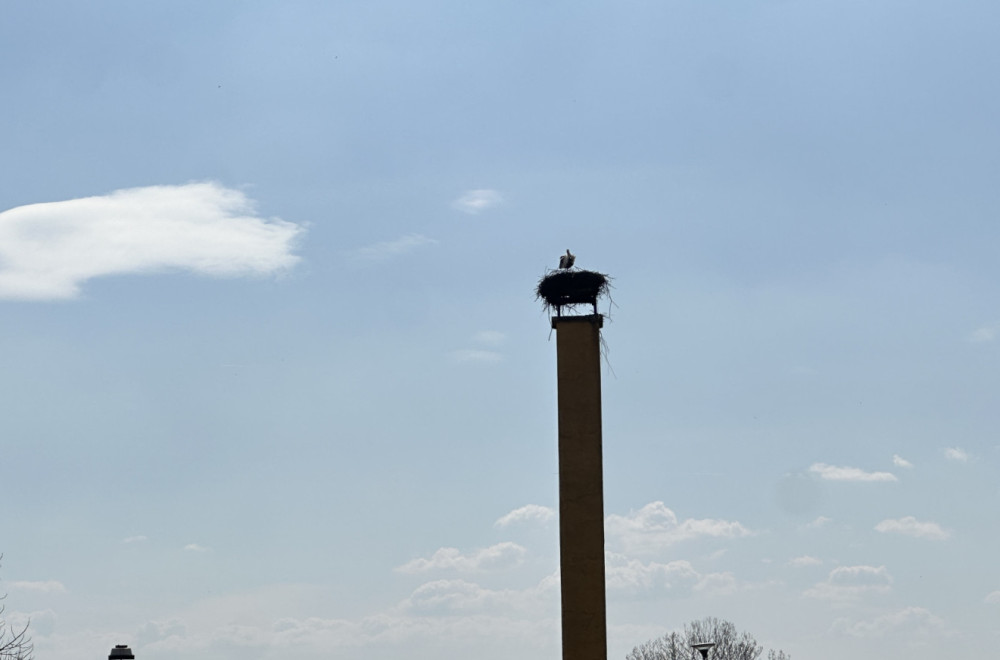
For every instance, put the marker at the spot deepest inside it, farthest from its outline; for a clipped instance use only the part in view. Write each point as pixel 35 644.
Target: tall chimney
pixel 581 487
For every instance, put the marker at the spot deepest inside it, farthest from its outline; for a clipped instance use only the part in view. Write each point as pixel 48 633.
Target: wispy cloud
pixel 956 454
pixel 917 619
pixel 460 597
pixel 387 250
pixel 525 514
pixel 49 250
pixel 655 526
pixel 194 547
pixel 846 583
pixel 42 586
pixel 985 333
pixel 835 473
pixel 490 337
pixel 910 526
pixel 438 614
pixel 632 575
pixel 678 577
pixel 501 555
pixel 804 560
pixel 899 461
pixel 718 584
pixel 135 539
pixel 477 201
pixel 993 598
pixel 475 356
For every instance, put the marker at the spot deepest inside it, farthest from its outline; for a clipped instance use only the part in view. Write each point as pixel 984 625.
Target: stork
pixel 566 260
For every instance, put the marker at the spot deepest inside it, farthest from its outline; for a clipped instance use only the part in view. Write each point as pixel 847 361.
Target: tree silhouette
pixel 730 644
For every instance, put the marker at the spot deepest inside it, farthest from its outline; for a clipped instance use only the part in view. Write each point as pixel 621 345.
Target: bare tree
pixel 729 643
pixel 669 647
pixel 15 644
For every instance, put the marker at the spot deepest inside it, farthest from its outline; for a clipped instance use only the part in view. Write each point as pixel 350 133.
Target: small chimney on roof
pixel 121 652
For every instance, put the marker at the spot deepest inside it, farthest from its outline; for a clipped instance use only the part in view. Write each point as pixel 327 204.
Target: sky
pixel 274 381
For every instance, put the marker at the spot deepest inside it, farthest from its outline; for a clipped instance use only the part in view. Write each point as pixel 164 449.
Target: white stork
pixel 566 260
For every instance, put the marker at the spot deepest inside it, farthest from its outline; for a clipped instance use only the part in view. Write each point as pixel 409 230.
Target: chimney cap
pixel 121 652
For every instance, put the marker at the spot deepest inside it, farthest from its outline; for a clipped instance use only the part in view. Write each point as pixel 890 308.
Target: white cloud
pixel 846 583
pixel 42 586
pixel 499 556
pixel 475 356
pixel 804 560
pixel 820 522
pixel 654 526
pixel 387 250
pixel 993 598
pixel 835 473
pixel 916 619
pixel 476 201
pixel 910 526
pixel 860 575
pixel 194 547
pixel 527 513
pixel 985 333
pixel 899 461
pixel 48 250
pixel 956 454
pixel 135 539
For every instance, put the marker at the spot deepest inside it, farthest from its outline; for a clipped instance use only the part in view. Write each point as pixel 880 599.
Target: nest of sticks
pixel 567 288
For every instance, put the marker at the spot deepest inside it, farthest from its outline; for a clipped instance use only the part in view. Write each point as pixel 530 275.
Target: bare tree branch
pixel 14 644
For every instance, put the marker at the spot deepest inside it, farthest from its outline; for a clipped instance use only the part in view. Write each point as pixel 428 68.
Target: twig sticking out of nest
pixel 568 288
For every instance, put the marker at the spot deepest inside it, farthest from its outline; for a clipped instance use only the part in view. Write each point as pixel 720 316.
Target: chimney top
pixel 121 652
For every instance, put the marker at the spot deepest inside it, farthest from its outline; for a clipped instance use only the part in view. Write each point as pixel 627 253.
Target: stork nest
pixel 567 288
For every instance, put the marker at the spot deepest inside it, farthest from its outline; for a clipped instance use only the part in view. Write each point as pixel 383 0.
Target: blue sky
pixel 275 382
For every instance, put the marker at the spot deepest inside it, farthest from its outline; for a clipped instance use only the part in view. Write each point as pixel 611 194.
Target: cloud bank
pixel 47 251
